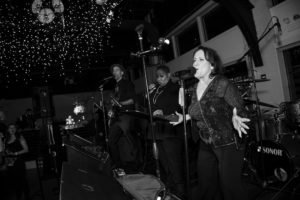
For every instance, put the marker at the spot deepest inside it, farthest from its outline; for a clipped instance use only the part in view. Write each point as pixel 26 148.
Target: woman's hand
pixel 180 119
pixel 239 123
pixel 9 153
pixel 151 87
pixel 158 112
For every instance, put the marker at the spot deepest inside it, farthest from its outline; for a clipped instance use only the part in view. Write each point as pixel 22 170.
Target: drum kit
pixel 274 156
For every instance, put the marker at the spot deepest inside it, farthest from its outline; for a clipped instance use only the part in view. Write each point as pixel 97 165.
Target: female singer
pixel 215 109
pixel 164 102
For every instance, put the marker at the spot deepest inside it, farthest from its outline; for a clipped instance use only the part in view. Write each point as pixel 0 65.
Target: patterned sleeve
pixel 233 97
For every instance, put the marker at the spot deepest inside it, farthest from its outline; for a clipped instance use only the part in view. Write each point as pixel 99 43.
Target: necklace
pixel 158 91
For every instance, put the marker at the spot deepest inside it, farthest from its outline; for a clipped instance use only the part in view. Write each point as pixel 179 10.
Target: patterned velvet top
pixel 212 115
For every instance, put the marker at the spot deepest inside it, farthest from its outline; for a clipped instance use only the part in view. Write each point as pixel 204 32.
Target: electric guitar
pixel 114 109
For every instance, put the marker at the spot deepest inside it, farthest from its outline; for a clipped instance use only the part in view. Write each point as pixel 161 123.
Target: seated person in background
pixel 15 147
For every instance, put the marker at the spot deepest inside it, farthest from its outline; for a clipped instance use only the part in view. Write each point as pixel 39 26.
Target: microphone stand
pixel 186 153
pixel 257 106
pixel 104 114
pixel 261 37
pixel 154 144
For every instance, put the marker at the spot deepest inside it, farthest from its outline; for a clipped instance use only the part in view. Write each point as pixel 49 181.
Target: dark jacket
pixel 212 115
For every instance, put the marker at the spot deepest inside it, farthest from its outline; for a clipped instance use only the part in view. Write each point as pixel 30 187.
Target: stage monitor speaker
pixel 78 184
pixel 42 102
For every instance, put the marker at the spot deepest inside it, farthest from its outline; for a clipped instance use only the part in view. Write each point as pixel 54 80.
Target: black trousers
pixel 17 181
pixel 171 159
pixel 220 173
pixel 121 141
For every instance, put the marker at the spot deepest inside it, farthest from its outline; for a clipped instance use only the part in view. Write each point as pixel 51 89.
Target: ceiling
pixel 73 72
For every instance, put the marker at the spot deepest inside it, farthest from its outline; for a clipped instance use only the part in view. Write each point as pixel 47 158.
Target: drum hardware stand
pixel 257 107
pixel 277 126
pixel 183 107
pixel 139 30
pixel 259 117
pixel 295 175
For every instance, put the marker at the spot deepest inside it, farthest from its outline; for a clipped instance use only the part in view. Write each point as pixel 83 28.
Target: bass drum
pixel 292 144
pixel 270 161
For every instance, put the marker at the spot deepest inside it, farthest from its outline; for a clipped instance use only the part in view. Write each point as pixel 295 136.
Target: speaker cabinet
pixel 78 184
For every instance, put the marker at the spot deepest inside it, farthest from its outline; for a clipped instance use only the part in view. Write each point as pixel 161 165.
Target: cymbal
pixel 260 103
pixel 250 80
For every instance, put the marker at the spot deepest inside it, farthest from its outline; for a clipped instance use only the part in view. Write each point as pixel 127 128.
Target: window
pixel 217 21
pixel 167 53
pixel 188 39
pixel 275 2
pixel 238 73
pixel 292 62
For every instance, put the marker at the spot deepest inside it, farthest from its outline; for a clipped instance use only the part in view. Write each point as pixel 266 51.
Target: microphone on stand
pixel 139 30
pixel 189 71
pixel 104 81
pixel 142 53
pixel 277 23
pixel 154 49
pixel 107 78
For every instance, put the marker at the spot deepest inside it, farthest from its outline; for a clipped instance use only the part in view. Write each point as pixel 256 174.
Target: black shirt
pixel 165 98
pixel 124 90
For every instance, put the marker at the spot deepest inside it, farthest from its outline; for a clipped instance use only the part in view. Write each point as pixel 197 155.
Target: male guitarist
pixel 121 140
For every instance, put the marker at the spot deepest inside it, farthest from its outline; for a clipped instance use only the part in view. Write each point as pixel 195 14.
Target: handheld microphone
pixel 152 87
pixel 139 29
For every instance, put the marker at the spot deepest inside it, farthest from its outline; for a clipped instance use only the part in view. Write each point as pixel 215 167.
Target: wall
pixel 231 45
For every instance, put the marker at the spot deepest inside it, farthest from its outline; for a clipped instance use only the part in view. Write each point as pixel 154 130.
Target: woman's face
pixel 202 66
pixel 12 129
pixel 162 77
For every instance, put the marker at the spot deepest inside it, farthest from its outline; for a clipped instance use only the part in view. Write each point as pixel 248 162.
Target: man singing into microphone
pixel 120 140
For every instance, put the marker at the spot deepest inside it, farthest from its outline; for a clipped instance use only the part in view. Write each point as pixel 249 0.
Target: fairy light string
pixel 75 36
